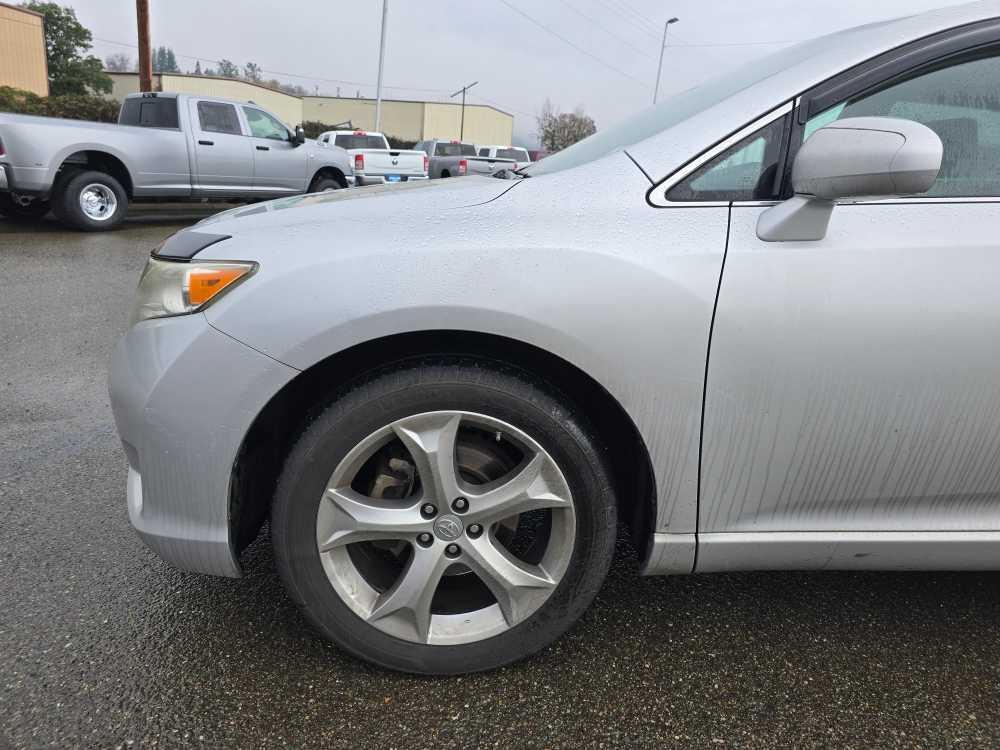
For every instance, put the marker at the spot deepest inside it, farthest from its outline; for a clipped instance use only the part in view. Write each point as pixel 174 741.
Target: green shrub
pixel 70 106
pixel 20 102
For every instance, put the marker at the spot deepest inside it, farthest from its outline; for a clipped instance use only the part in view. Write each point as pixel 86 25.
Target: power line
pixel 605 29
pixel 575 46
pixel 287 75
pixel 648 30
pixel 498 105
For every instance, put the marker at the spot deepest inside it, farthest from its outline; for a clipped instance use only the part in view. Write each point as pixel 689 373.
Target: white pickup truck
pixel 375 163
pixel 518 154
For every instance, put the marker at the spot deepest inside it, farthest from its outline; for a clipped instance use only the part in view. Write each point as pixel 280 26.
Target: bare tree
pixel 119 63
pixel 558 130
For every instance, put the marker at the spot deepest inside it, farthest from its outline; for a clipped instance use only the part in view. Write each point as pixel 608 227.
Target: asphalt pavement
pixel 103 645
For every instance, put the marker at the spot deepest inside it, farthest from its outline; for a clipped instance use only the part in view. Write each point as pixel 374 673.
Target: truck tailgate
pixel 485 166
pixel 387 163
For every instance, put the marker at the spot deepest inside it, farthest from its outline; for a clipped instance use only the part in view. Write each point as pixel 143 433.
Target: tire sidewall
pixel 68 201
pixel 325 183
pixel 346 423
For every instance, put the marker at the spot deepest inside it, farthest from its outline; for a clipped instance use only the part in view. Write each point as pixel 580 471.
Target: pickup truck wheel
pixel 324 185
pixel 18 208
pixel 445 516
pixel 90 201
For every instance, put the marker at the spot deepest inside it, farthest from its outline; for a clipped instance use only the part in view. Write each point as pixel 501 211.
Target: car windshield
pixel 686 104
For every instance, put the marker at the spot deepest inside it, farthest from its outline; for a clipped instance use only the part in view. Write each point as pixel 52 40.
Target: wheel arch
pixel 268 441
pixel 100 161
pixel 329 171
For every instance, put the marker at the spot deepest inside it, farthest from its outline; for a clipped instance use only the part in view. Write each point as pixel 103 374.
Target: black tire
pixel 66 201
pixel 20 212
pixel 433 385
pixel 323 183
pixel 445 174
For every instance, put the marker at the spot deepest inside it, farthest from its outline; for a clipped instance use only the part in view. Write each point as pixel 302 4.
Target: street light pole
pixel 462 91
pixel 663 48
pixel 145 58
pixel 381 66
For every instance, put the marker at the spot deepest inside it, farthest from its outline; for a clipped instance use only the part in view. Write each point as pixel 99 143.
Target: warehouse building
pixel 406 120
pixel 22 50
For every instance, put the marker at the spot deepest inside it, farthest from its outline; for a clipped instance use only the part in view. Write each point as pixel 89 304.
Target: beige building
pixel 415 121
pixel 22 50
pixel 408 120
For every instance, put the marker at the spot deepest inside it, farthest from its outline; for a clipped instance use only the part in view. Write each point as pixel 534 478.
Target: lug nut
pixel 460 505
pixel 425 539
pixel 452 550
pixel 475 530
pixel 429 511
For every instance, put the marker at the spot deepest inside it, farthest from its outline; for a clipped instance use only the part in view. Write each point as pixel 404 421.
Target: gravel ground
pixel 103 645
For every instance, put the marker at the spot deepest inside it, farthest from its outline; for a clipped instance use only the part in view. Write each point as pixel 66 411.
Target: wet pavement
pixel 103 645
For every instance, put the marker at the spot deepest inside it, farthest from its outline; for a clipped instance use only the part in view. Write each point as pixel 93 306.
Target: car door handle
pixel 206 143
pixel 263 148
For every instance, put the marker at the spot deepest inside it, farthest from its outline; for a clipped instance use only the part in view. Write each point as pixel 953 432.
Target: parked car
pixel 757 322
pixel 176 146
pixel 518 154
pixel 374 161
pixel 457 159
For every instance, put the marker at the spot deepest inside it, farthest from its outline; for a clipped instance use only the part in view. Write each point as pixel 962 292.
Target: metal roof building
pixel 23 64
pixel 408 120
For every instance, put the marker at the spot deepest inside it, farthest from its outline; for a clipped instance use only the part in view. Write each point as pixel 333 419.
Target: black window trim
pixel 900 64
pixel 895 63
pixel 657 195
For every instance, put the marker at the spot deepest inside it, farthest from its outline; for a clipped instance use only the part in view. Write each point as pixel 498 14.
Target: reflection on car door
pixel 223 155
pixel 854 382
pixel 279 165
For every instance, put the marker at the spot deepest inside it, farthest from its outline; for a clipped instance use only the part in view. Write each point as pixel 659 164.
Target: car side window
pixel 484 152
pixel 746 171
pixel 958 101
pixel 262 125
pixel 216 117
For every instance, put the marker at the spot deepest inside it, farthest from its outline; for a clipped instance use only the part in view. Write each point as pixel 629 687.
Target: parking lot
pixel 104 645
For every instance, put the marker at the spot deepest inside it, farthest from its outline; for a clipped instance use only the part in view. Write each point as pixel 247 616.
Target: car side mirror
pixel 861 157
pixel 300 136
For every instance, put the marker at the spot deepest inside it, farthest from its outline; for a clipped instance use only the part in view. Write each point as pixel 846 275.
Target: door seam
pixel 704 388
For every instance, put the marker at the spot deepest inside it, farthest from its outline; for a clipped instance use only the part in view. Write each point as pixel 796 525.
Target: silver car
pixel 757 323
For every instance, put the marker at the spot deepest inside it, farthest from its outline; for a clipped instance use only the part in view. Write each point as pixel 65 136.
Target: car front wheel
pixel 445 517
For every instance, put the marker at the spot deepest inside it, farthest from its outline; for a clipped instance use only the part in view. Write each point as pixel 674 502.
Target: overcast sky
pixel 605 61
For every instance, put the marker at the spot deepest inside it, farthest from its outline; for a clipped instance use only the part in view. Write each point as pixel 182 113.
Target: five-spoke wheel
pixel 444 529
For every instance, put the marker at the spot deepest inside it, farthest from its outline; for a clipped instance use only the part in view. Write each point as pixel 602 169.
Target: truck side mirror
pixel 300 136
pixel 862 157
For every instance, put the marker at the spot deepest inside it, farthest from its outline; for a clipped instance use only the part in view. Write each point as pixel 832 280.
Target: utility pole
pixel 381 66
pixel 659 69
pixel 463 91
pixel 145 58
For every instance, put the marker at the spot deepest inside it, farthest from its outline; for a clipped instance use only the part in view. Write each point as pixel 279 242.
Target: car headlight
pixel 170 288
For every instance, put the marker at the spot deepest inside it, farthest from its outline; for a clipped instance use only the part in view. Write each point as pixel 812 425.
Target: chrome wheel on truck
pixel 91 201
pixel 444 528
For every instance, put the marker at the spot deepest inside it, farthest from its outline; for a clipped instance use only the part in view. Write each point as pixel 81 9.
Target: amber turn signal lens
pixel 205 283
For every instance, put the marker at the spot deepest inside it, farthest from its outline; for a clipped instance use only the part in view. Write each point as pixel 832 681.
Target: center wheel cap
pixel 448 528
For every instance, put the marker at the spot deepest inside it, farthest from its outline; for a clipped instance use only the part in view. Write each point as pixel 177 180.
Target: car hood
pixel 381 203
